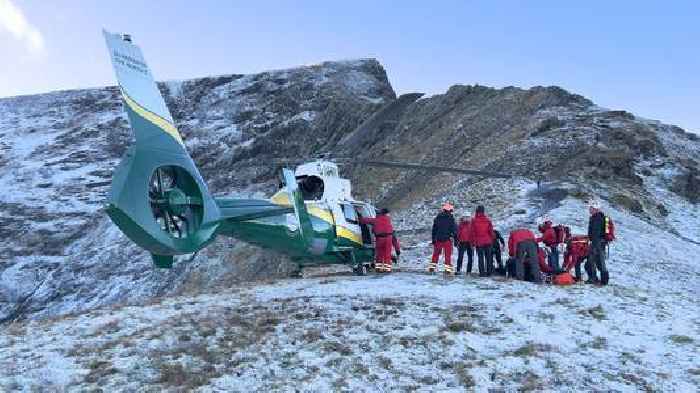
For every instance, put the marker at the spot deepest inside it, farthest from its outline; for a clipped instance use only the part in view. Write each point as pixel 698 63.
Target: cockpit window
pixel 349 213
pixel 311 187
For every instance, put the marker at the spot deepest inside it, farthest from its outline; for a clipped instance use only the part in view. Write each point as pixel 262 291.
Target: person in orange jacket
pixel 464 239
pixel 383 232
pixel 482 237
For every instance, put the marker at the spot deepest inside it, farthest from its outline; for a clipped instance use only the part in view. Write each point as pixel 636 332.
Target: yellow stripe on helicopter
pixel 160 122
pixel 348 234
pixel 282 198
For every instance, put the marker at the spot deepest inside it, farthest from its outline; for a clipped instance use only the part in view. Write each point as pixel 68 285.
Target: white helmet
pixel 594 204
pixel 541 220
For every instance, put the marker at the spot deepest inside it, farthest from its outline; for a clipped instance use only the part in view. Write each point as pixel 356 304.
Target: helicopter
pixel 160 201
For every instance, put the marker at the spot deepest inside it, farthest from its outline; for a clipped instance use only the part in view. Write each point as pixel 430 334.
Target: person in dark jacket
pixel 596 251
pixel 464 238
pixel 397 249
pixel 444 230
pixel 482 236
pixel 498 242
pixel 522 249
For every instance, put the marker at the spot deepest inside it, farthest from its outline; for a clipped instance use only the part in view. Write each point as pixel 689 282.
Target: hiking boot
pixel 589 281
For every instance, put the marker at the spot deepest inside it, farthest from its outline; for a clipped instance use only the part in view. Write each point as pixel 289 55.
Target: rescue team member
pixel 482 236
pixel 549 238
pixel 522 248
pixel 576 252
pixel 464 239
pixel 444 230
pixel 383 233
pixel 498 242
pixel 596 251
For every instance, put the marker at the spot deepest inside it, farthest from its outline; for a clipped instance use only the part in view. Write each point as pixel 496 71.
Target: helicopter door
pixel 364 211
pixel 346 220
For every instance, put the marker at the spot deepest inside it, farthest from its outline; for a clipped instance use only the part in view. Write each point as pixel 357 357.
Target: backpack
pixel 609 229
pixel 562 233
pixel 563 279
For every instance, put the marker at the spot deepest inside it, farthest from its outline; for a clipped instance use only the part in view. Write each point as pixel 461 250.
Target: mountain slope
pixel 82 308
pixel 57 152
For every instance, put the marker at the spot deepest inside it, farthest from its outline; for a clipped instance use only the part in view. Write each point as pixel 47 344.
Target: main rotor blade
pixel 430 168
pixel 390 164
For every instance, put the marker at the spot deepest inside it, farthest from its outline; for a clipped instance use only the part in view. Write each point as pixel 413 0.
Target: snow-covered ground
pixel 407 331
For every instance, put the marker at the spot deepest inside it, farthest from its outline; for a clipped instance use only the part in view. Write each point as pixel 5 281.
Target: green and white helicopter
pixel 159 200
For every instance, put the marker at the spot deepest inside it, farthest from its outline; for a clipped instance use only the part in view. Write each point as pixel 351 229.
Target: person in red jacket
pixel 464 238
pixel 482 239
pixel 549 238
pixel 522 248
pixel 383 233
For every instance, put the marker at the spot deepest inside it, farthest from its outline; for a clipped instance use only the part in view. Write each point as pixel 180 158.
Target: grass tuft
pixel 680 339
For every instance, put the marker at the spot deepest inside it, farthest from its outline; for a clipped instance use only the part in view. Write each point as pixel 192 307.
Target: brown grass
pixel 99 369
pixel 680 339
pixel 596 312
pixel 531 349
pixel 465 379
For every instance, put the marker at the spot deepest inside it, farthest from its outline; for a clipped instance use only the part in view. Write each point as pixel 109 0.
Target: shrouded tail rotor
pixel 176 202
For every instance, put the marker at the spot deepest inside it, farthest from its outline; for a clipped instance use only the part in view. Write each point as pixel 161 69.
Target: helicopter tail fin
pixel 297 201
pixel 150 118
pixel 158 197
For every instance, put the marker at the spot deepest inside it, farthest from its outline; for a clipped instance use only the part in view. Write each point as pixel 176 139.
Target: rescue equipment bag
pixel 609 229
pixel 563 279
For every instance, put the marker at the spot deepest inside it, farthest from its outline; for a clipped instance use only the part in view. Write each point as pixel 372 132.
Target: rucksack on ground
pixel 563 279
